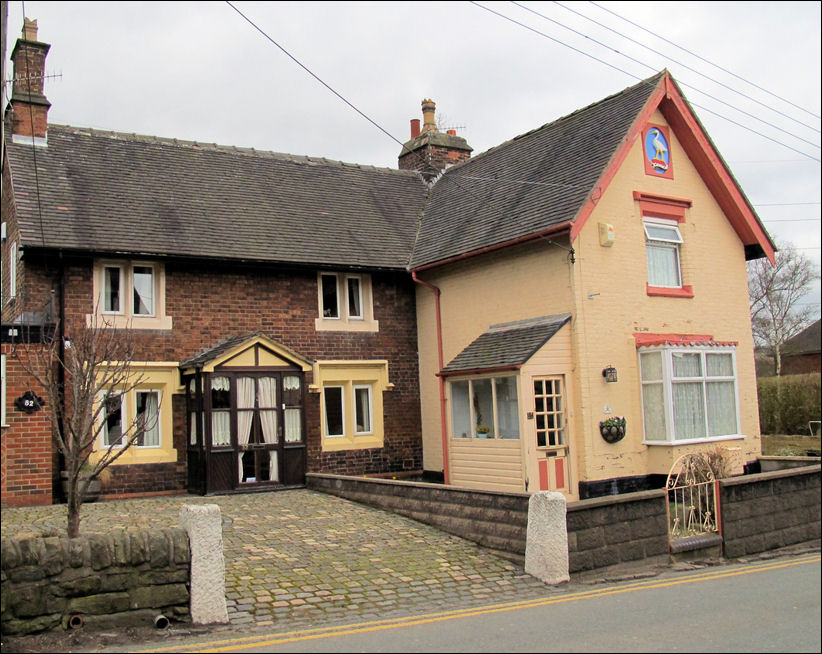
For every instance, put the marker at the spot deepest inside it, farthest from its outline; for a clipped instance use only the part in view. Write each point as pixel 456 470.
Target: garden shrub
pixel 788 403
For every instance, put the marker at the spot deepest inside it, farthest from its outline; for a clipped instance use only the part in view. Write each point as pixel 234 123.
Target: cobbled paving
pixel 299 559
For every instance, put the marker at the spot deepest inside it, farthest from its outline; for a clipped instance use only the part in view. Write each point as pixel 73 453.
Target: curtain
pixel 653 408
pixel 663 265
pixel 245 400
pixel 268 398
pixel 689 411
pixel 293 426
pixel 151 436
pixel 721 408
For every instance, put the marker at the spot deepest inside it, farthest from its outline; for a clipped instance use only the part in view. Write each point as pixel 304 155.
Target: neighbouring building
pixel 473 319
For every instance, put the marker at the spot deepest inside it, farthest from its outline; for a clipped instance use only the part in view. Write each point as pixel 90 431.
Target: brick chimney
pixel 431 151
pixel 29 107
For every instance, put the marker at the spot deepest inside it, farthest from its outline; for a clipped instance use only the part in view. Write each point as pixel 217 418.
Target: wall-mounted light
pixel 610 374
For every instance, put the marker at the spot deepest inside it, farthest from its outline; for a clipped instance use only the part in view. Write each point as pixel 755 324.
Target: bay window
pixel 485 408
pixel 689 394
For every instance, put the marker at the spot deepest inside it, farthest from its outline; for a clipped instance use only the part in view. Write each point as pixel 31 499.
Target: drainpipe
pixel 444 425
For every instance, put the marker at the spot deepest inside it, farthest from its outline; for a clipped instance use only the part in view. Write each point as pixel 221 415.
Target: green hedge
pixel 788 403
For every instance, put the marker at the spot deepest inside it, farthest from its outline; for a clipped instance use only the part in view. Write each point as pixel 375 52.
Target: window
pixel 485 408
pixel 13 269
pixel 220 412
pixel 662 241
pixel 549 412
pixel 113 420
pixel 334 411
pixel 130 294
pixel 148 418
pixel 345 303
pixel 689 394
pixel 362 410
pixel 3 389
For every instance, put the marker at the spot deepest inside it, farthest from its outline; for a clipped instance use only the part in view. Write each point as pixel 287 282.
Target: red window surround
pixel 664 291
pixel 662 206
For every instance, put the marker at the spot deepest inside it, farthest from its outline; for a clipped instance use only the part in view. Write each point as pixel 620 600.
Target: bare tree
pixel 85 377
pixel 777 314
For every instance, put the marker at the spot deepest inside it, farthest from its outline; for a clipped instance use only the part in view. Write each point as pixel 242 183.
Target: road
pixel 770 606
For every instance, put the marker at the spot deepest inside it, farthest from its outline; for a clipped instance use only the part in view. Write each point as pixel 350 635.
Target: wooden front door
pixel 550 413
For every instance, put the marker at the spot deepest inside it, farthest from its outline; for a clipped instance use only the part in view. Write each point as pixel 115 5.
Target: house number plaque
pixel 28 402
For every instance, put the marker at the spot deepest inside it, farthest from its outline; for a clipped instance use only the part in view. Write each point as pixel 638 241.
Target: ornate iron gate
pixel 693 499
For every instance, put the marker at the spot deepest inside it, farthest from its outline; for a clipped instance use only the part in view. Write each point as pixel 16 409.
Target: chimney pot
pixel 415 127
pixel 428 108
pixel 452 132
pixel 29 29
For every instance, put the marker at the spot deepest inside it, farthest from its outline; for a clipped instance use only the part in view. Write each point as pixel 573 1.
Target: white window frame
pixel 348 280
pixel 159 420
pixel 674 243
pixel 121 291
pixel 336 278
pixel 346 320
pixel 368 389
pixel 494 404
pixel 668 381
pixel 327 433
pixel 3 390
pixel 153 311
pixel 104 435
pixel 125 317
pixel 13 256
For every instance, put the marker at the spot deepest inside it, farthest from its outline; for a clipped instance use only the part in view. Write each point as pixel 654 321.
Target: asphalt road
pixel 770 606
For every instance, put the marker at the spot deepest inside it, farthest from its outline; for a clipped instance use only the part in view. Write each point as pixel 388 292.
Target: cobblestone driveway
pixel 297 559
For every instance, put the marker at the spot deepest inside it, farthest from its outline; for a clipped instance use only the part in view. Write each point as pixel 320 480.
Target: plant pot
pixel 92 493
pixel 612 433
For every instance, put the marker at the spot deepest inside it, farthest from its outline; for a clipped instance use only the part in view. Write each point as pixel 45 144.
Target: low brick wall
pixel 492 519
pixel 122 577
pixel 769 510
pixel 601 532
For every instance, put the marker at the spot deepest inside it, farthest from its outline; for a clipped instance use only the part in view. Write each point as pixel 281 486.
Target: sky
pixel 200 71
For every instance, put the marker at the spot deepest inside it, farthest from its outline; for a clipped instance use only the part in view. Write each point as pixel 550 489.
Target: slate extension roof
pixel 528 184
pixel 507 345
pixel 110 192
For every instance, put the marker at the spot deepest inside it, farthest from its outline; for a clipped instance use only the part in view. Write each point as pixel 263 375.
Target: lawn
pixel 782 445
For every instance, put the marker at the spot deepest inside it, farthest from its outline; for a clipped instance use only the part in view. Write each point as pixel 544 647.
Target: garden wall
pixel 120 577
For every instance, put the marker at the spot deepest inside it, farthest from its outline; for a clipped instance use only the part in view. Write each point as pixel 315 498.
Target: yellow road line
pixel 393 623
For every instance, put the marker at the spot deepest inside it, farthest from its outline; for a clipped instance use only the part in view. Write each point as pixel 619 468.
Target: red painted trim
pixel 662 206
pixel 616 161
pixel 550 231
pixel 663 291
pixel 649 169
pixel 646 339
pixel 477 371
pixel 443 418
pixel 543 475
pixel 700 149
pixel 559 472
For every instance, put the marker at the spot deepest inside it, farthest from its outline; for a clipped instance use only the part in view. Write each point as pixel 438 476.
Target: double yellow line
pixel 379 625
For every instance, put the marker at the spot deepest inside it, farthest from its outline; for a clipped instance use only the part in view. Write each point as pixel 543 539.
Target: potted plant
pixel 483 431
pixel 612 429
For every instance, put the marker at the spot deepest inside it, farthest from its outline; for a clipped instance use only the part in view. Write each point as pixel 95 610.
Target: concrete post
pixel 546 544
pixel 203 524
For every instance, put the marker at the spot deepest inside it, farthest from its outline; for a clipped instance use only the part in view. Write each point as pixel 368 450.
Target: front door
pixel 551 433
pixel 269 427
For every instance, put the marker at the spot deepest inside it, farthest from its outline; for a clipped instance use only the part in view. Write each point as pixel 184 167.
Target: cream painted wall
pixel 713 263
pixel 520 282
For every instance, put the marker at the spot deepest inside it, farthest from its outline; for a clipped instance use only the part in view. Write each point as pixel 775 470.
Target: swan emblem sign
pixel 657 152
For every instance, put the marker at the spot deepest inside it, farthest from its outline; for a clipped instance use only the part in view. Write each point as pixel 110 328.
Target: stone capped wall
pixel 125 577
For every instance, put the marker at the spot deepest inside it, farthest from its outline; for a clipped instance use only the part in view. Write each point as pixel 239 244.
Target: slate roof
pixel 109 192
pixel 808 341
pixel 507 344
pixel 528 184
pixel 214 352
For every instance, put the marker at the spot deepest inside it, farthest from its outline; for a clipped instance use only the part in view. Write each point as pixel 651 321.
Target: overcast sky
pixel 200 71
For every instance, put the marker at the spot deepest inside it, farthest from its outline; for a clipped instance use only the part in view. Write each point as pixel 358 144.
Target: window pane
pixel 689 411
pixel 331 307
pixel 653 410
pixel 293 426
pixel 111 292
pixel 663 233
pixel 220 393
pixel 663 265
pixel 460 410
pixel 650 364
pixel 220 428
pixel 483 408
pixel 148 418
pixel 719 365
pixel 507 407
pixel 354 298
pixel 267 392
pixel 143 290
pixel 721 408
pixel 362 409
pixel 291 390
pixel 113 427
pixel 333 396
pixel 687 365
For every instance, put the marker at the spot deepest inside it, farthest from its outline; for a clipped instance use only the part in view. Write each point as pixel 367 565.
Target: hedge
pixel 788 403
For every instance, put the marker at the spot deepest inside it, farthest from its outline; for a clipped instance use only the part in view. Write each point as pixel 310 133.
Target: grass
pixel 784 445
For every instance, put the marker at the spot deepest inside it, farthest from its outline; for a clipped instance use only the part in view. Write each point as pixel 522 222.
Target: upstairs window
pixel 13 269
pixel 345 303
pixel 662 243
pixel 130 294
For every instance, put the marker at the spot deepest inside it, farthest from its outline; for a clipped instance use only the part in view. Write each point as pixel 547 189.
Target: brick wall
pixel 769 510
pixel 26 443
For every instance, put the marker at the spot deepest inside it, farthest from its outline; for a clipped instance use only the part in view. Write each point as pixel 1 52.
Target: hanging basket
pixel 612 430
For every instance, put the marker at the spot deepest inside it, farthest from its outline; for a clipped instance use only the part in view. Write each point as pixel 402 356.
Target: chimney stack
pixel 29 106
pixel 430 151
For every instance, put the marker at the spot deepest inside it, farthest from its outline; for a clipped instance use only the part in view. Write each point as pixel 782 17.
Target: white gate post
pixel 204 526
pixel 546 545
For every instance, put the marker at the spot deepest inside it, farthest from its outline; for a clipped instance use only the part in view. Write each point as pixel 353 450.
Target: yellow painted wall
pixel 520 282
pixel 713 263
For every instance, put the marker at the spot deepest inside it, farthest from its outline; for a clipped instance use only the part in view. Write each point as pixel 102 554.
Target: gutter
pixel 443 423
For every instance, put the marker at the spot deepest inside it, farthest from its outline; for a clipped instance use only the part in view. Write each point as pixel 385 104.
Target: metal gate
pixel 693 499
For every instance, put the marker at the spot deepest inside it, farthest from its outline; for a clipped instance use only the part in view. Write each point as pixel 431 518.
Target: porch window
pixel 220 412
pixel 485 408
pixel 689 394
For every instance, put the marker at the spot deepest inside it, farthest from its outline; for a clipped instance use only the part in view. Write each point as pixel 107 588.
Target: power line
pixel 610 65
pixel 693 70
pixel 705 60
pixel 642 63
